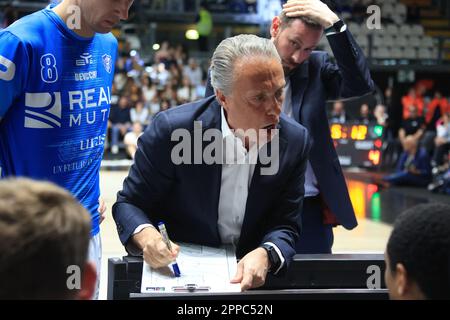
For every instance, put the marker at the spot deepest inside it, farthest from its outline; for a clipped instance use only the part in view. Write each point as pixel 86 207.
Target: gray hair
pixel 232 49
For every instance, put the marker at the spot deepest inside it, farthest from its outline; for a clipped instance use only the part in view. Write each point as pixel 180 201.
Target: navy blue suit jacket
pixel 313 83
pixel 186 196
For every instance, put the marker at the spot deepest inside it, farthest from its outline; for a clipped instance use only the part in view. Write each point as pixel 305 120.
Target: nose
pixel 123 10
pixel 124 14
pixel 274 110
pixel 298 56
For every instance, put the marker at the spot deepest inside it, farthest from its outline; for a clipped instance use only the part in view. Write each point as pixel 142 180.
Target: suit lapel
pixel 299 82
pixel 210 175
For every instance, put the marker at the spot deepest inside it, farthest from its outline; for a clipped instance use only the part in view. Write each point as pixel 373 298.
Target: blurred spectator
pixel 154 105
pixel 413 168
pixel 388 97
pixel 442 141
pixel 441 182
pixel 140 114
pixel 186 93
pixel 160 76
pixel 413 125
pixel 162 55
pixel 200 89
pixel 135 94
pixel 165 104
pixel 119 122
pixel 380 115
pixel 365 116
pixel 412 99
pixel 338 114
pixel 120 80
pixel 131 139
pixel 435 109
pixel 194 72
pixel 180 55
pixel 134 62
pixel 148 88
pixel 175 75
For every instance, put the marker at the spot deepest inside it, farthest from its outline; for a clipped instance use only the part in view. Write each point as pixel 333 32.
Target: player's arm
pixel 13 70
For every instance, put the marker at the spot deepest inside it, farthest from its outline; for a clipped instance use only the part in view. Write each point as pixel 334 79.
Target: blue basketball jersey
pixel 55 94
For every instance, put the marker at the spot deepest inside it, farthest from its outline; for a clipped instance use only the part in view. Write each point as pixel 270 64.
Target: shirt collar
pixel 226 131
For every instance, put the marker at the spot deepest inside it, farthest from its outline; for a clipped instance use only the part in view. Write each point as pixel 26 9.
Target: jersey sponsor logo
pixel 107 62
pixel 7 69
pixel 49 72
pixel 86 59
pixel 42 110
pixel 85 108
pixel 89 106
pixel 85 76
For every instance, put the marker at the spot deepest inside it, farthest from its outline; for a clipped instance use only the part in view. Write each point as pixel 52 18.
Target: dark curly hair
pixel 420 241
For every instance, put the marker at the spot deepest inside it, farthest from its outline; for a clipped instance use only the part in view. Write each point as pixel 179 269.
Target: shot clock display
pixel 357 144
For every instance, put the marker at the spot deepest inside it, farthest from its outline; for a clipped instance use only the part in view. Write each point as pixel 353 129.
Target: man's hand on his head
pixel 313 9
pixel 252 269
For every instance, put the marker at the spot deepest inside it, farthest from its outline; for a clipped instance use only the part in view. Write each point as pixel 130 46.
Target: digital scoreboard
pixel 357 144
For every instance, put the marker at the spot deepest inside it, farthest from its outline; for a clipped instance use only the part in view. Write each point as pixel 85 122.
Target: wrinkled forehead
pixel 258 67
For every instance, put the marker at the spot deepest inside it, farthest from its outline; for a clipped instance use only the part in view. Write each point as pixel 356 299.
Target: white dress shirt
pixel 237 172
pixel 311 185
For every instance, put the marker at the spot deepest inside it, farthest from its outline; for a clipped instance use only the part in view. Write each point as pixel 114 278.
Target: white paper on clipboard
pixel 202 269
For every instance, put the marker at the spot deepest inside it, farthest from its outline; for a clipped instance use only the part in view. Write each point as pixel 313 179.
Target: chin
pixel 103 30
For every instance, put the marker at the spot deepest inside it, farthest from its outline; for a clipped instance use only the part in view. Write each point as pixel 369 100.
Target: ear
pixel 275 28
pixel 88 282
pixel 401 280
pixel 221 98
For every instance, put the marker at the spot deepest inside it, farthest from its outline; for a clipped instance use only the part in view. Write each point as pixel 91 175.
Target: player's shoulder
pixel 28 28
pixel 106 41
pixel 107 38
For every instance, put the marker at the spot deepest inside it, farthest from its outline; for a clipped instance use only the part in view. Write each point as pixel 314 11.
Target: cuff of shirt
pixel 280 255
pixel 131 247
pixel 330 33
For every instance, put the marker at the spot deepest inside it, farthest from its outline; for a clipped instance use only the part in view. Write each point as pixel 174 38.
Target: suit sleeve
pixel 284 229
pixel 350 77
pixel 13 70
pixel 148 182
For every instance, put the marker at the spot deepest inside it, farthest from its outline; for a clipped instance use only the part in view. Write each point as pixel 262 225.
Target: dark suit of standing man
pixel 312 80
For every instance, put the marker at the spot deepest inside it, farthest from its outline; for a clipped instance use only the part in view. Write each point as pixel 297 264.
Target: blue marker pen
pixel 163 231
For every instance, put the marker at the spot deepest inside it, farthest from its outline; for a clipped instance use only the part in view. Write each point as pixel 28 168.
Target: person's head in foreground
pixel 418 254
pixel 44 239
